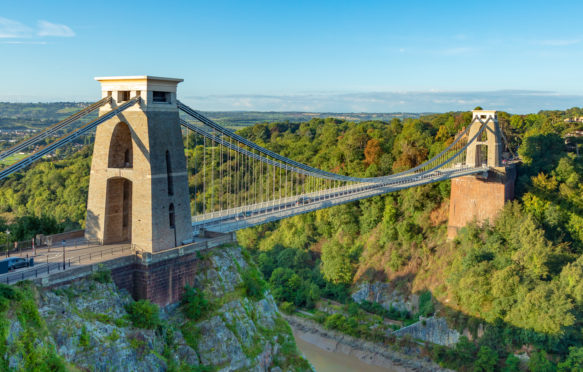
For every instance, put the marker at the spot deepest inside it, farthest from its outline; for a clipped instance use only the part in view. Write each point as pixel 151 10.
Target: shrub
pixel 9 292
pixel 144 314
pixel 28 314
pixel 194 304
pixel 102 275
pixel 253 284
pixel 426 307
pixel 84 340
pixel 113 336
pixel 486 360
pixel 287 307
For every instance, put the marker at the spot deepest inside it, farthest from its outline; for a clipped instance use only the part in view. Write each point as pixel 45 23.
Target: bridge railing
pixel 46 268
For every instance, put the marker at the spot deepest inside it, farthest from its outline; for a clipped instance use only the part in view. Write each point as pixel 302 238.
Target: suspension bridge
pixel 139 188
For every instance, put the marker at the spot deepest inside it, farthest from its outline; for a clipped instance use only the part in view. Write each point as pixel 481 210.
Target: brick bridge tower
pixel 138 190
pixel 477 197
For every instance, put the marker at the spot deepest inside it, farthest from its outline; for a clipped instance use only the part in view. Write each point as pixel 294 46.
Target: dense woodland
pixel 520 277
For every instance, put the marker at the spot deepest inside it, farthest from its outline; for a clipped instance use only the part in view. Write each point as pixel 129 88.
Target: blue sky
pixel 340 56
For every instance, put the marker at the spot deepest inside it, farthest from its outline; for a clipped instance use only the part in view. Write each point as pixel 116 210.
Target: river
pixel 327 361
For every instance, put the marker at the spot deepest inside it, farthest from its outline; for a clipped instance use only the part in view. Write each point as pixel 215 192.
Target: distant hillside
pixel 39 115
pixel 248 118
pixel 35 115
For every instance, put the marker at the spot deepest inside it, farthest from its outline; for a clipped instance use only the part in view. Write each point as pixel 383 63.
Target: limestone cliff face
pixel 386 296
pixel 86 325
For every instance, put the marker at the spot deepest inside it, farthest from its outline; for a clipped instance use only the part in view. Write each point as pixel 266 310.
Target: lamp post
pixel 7 241
pixel 63 243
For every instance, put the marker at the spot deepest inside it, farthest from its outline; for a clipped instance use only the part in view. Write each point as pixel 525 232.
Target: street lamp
pixel 7 241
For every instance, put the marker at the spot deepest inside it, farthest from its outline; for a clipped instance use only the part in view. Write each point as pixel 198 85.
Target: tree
pixel 336 265
pixel 512 364
pixel 372 151
pixel 574 361
pixel 539 363
pixel 486 360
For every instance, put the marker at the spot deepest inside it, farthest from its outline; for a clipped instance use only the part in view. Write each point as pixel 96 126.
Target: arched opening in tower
pixel 121 147
pixel 118 211
pixel 481 154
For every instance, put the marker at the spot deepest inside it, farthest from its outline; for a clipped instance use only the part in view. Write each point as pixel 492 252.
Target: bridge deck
pixel 239 218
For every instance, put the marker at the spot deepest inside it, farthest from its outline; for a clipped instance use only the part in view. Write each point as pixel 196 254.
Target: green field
pixel 12 159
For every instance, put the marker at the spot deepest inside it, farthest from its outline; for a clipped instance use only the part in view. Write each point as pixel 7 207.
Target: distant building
pixel 574 120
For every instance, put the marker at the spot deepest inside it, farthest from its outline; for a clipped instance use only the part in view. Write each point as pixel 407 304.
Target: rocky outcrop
pixel 386 296
pixel 433 329
pixel 405 359
pixel 88 326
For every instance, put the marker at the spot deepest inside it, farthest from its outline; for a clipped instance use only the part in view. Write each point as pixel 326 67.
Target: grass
pixel 13 159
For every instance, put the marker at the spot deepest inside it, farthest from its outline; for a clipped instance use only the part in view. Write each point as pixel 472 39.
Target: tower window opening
pixel 123 95
pixel 171 216
pixel 169 174
pixel 161 97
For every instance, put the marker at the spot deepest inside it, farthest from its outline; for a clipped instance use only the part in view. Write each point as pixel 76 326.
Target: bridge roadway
pixel 234 219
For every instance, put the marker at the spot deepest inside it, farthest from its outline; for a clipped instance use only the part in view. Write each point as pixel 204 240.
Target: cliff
pixel 92 325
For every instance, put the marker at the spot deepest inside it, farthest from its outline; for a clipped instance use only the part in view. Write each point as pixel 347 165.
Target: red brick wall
pixel 477 198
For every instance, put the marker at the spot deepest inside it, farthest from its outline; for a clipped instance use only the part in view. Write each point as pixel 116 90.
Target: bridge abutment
pixel 158 277
pixel 479 198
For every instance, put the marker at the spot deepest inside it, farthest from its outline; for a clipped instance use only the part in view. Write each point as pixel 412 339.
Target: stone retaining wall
pixel 158 277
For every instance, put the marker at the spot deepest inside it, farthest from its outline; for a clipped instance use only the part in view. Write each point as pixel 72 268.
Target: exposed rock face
pixel 386 296
pixel 432 329
pixel 89 326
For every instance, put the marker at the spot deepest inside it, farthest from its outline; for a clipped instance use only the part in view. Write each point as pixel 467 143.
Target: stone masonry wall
pixel 481 199
pixel 159 277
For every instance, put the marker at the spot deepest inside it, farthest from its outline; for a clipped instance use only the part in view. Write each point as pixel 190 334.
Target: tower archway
pixel 118 211
pixel 121 147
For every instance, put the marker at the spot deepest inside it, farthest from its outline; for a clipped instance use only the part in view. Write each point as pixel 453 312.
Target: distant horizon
pixel 512 101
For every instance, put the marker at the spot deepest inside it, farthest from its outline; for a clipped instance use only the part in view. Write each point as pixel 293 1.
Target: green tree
pixel 486 360
pixel 574 361
pixel 539 363
pixel 336 264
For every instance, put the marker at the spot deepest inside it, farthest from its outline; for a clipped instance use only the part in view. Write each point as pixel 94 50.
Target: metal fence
pixel 46 268
pixel 10 249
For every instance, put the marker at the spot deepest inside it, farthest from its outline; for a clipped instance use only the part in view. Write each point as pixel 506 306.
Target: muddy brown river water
pixel 327 361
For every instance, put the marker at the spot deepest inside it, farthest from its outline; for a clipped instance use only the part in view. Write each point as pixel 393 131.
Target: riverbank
pixel 373 354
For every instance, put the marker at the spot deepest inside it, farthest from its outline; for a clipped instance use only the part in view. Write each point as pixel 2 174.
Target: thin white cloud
pixel 18 42
pixel 13 29
pixel 53 29
pixel 516 101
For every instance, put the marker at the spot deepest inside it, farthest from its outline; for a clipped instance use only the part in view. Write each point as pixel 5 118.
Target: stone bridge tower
pixel 138 190
pixel 480 198
pixel 488 148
